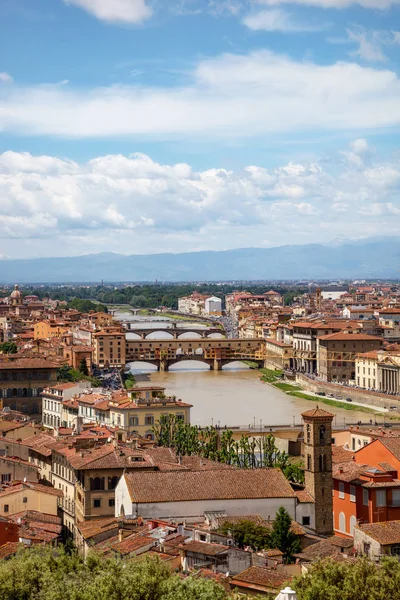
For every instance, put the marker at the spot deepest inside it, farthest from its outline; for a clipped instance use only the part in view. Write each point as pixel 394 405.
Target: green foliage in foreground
pixel 270 376
pixel 8 348
pixel 66 374
pixel 363 580
pixel 258 537
pixel 45 573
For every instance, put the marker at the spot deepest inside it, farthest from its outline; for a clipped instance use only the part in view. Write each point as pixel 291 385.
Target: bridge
pixel 214 352
pixel 174 331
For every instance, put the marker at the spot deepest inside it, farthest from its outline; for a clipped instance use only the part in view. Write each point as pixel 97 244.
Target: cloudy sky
pixel 143 126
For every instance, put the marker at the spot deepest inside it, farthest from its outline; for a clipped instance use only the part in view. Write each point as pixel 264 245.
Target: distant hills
pixel 370 258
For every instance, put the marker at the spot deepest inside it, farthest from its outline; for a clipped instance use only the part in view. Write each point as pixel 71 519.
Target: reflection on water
pixel 234 396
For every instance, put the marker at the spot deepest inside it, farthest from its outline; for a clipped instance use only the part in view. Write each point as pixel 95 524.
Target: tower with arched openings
pixel 318 466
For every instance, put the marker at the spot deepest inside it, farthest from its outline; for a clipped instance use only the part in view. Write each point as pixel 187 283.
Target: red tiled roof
pixel 203 485
pixel 317 412
pixel 27 485
pixel 385 533
pixel 9 549
pixel 350 337
pixel 204 548
pixel 260 578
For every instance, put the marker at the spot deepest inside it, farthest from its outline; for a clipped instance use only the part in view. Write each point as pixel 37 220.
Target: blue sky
pixel 142 126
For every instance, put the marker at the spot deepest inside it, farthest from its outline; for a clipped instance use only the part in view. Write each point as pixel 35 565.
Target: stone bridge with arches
pixel 214 352
pixel 176 332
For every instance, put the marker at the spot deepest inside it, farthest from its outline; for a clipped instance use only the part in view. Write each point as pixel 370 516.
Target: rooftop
pixel 186 486
pixel 385 533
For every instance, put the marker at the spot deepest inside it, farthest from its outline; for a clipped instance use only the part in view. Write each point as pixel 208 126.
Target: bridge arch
pixel 196 361
pixel 189 335
pixel 155 335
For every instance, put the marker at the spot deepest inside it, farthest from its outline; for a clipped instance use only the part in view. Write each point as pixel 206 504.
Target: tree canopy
pixel 282 536
pixel 361 580
pixel 8 348
pixel 44 573
pixel 247 533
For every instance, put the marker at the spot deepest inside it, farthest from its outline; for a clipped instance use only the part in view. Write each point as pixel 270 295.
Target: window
pixel 341 489
pixel 353 523
pixel 395 550
pixel 305 520
pixel 308 431
pixel 322 432
pixel 24 499
pixel 353 443
pixel 366 548
pixel 112 482
pixel 202 537
pixel 149 420
pixel 395 497
pixel 380 498
pixel 308 462
pixel 322 463
pixel 97 503
pixel 134 421
pixel 111 502
pixel 6 508
pixel 6 477
pixel 342 522
pixel 352 493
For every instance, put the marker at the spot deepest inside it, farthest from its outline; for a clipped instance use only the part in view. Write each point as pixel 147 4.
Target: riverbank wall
pixel 363 396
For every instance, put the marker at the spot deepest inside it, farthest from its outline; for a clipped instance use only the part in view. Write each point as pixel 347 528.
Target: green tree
pixel 83 368
pixel 282 536
pixel 44 573
pixel 361 580
pixel 247 533
pixel 8 348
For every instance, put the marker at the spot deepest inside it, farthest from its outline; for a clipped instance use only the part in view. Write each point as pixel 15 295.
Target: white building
pixel 213 306
pixel 189 494
pixel 52 401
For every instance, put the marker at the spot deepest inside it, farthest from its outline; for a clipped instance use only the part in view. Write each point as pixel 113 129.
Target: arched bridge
pixel 215 352
pixel 174 331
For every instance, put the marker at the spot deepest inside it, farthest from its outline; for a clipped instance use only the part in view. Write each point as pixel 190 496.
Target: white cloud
pixel 378 4
pixel 5 77
pixel 132 204
pixel 230 96
pixel 115 11
pixel 276 19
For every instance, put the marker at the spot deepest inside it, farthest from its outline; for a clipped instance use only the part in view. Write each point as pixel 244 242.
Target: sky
pixel 146 126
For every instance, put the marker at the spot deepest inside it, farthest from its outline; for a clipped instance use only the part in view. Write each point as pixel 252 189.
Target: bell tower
pixel 318 466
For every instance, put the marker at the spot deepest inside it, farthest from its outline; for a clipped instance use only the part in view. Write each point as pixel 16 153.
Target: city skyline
pixel 136 127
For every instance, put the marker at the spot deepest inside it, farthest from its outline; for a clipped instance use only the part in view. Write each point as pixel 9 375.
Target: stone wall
pixel 363 396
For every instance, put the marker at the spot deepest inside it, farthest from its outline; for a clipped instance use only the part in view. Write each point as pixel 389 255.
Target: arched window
pixel 353 523
pixel 322 464
pixel 97 483
pixel 112 482
pixel 14 393
pixel 308 433
pixel 342 522
pixel 322 433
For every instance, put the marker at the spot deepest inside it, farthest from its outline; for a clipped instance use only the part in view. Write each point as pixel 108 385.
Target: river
pixel 234 396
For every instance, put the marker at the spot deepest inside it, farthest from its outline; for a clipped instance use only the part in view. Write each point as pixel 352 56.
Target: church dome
pixel 16 293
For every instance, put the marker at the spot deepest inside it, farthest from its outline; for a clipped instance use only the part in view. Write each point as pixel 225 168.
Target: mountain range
pixel 368 259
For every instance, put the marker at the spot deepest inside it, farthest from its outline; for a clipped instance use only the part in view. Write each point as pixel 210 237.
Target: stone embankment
pixel 345 391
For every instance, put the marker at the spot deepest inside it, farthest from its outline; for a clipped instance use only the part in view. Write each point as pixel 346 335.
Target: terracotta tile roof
pixel 340 454
pixel 28 363
pixel 20 461
pixel 133 543
pixel 27 485
pixel 303 496
pixel 385 533
pixel 392 444
pixel 349 337
pixel 273 553
pixel 94 527
pixel 204 548
pixel 37 517
pixel 9 549
pixel 105 457
pixel 42 443
pixel 10 425
pixel 317 412
pixel 326 548
pixel 203 485
pixel 260 578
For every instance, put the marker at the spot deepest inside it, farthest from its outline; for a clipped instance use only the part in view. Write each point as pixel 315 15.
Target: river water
pixel 234 396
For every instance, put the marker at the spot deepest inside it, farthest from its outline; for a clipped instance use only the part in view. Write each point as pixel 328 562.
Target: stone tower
pixel 318 466
pixel 318 299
